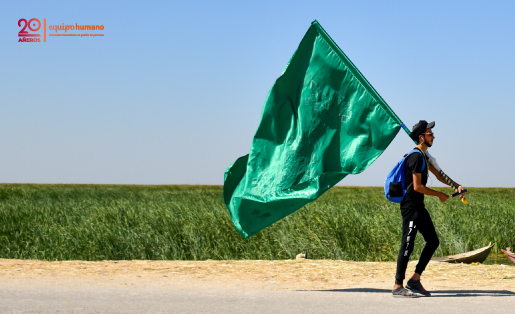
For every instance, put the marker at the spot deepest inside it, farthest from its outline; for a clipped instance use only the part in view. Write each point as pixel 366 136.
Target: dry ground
pixel 269 275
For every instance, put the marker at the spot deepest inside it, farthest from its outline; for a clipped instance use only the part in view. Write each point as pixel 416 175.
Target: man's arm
pixel 420 188
pixel 440 178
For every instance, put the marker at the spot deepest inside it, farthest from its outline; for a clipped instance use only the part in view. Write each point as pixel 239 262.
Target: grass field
pixel 114 222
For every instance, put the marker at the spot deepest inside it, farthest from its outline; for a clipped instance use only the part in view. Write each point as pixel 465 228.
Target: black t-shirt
pixel 414 199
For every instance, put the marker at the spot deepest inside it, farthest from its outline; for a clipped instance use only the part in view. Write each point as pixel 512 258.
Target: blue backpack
pixel 395 186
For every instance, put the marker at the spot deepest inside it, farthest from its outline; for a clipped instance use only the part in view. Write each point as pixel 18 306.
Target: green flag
pixel 321 121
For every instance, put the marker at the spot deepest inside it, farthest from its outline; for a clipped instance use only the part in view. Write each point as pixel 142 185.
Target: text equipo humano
pixel 66 28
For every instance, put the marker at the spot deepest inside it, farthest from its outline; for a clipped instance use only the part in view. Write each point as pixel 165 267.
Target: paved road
pixel 91 299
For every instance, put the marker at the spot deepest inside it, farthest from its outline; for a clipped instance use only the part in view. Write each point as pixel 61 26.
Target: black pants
pixel 414 220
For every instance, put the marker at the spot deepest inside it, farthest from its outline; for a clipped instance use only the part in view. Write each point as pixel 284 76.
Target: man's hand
pixel 460 189
pixel 443 197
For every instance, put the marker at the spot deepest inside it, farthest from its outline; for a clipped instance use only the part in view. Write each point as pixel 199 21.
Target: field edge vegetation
pixel 186 222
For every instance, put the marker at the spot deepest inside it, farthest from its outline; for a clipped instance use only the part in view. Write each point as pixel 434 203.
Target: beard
pixel 429 144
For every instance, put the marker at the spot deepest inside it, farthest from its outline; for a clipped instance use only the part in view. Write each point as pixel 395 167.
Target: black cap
pixel 419 128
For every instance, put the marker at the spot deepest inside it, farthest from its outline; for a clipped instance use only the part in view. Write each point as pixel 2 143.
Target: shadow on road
pixel 437 293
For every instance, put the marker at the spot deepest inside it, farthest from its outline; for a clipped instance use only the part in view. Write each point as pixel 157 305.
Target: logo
pixel 29 30
pixel 33 25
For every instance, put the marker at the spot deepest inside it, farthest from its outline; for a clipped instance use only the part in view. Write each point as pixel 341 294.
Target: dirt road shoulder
pixel 255 274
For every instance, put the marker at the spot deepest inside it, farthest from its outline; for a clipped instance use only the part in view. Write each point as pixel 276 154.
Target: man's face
pixel 428 137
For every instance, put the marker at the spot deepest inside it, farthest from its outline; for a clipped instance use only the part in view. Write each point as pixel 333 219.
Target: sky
pixel 173 91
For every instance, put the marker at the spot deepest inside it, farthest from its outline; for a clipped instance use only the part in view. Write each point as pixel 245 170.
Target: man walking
pixel 415 217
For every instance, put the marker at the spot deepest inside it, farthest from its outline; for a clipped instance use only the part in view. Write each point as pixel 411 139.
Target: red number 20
pixel 23 31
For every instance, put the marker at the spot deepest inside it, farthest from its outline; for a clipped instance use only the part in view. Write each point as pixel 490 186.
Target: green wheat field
pixel 123 222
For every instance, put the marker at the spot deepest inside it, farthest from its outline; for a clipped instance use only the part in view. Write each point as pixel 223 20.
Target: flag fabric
pixel 321 121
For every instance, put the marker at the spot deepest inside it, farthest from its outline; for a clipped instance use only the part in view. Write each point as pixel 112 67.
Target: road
pixel 289 286
pixel 84 298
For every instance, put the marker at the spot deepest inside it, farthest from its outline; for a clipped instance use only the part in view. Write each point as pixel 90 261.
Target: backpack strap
pixel 424 161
